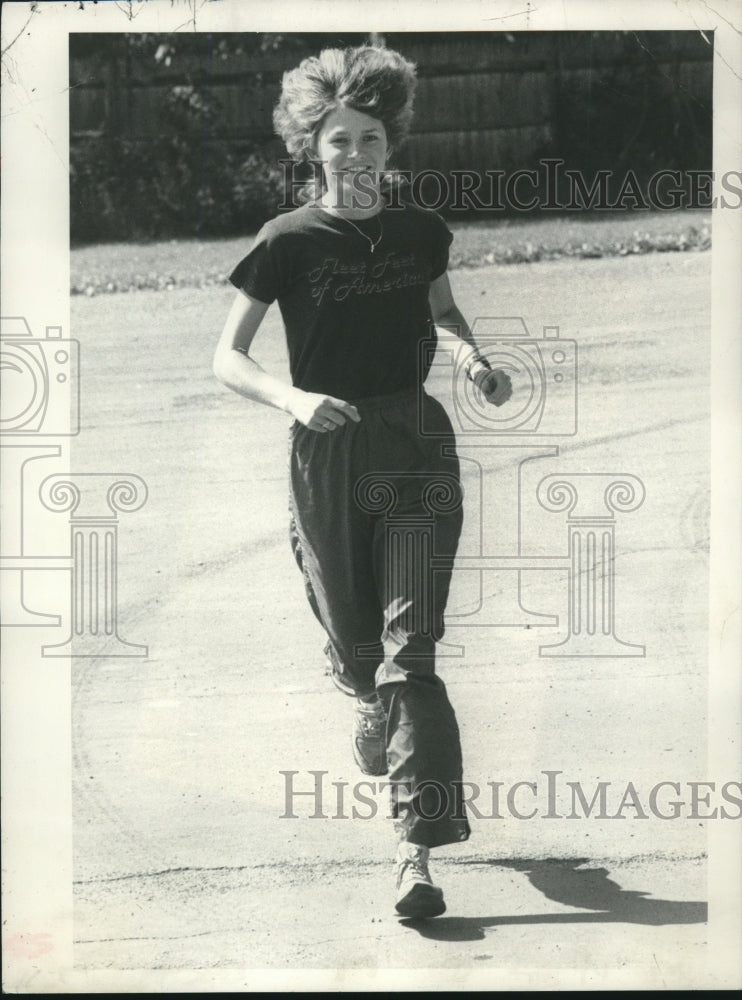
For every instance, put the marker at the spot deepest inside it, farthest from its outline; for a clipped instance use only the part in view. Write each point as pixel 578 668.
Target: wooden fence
pixel 484 99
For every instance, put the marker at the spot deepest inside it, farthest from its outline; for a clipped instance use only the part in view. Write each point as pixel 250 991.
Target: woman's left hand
pixel 495 386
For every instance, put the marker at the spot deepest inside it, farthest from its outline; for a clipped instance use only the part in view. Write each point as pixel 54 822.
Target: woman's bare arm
pixel 234 367
pixel 496 384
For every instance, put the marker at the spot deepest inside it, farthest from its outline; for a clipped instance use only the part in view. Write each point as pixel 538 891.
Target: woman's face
pixel 353 150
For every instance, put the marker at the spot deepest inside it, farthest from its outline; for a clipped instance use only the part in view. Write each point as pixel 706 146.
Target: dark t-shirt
pixel 353 319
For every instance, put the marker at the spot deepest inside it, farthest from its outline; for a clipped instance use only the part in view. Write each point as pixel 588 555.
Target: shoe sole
pixel 421 901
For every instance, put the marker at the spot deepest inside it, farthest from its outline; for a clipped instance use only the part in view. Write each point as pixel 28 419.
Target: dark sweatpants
pixel 376 519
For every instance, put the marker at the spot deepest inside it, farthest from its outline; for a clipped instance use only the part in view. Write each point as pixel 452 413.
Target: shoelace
pixel 416 867
pixel 373 723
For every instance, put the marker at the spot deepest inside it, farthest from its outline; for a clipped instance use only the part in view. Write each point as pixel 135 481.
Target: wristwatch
pixel 475 365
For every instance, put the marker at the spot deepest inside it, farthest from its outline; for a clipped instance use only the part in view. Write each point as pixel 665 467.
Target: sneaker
pixel 417 897
pixel 369 737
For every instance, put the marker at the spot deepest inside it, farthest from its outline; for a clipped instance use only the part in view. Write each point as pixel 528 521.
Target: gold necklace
pixel 372 244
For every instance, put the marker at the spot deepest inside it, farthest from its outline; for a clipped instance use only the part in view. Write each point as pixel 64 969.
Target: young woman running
pixel 360 281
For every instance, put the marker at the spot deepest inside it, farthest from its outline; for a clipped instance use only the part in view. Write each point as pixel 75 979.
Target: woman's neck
pixel 353 204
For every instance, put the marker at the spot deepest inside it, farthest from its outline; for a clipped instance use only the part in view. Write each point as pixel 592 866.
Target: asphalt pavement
pixel 190 850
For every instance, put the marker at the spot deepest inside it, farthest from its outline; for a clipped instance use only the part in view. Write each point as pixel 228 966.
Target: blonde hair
pixel 375 81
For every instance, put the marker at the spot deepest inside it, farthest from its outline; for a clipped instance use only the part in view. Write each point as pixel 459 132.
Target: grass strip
pixel 127 267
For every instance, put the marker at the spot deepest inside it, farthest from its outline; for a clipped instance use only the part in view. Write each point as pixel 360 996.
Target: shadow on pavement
pixel 565 882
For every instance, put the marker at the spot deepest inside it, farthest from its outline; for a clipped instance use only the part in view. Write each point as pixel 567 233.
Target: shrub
pixel 182 183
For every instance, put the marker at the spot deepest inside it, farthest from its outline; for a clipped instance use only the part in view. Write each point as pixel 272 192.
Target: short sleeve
pixel 258 273
pixel 441 243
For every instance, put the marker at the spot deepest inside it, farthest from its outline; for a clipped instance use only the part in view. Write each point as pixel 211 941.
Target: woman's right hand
pixel 320 413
